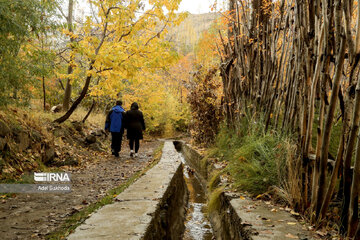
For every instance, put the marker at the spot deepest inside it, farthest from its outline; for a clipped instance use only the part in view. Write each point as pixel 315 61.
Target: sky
pixel 196 6
pixel 192 6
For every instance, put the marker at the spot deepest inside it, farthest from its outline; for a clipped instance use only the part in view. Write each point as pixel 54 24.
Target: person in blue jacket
pixel 115 123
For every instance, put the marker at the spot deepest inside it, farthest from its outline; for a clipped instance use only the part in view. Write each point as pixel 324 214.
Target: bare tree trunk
pixel 353 207
pixel 335 173
pixel 328 126
pixel 320 128
pixel 79 99
pixel 44 92
pixel 357 40
pixel 353 211
pixel 313 93
pixel 90 110
pixel 67 94
pixel 347 165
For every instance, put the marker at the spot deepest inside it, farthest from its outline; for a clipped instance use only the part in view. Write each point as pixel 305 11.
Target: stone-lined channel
pixel 197 226
pixel 167 202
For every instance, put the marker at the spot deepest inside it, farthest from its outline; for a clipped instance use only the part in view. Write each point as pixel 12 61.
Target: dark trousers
pixel 137 144
pixel 116 139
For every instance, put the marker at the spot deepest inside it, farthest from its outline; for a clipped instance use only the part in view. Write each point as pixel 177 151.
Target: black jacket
pixel 134 123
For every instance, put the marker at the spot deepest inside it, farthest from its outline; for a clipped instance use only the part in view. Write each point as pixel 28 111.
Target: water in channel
pixel 197 227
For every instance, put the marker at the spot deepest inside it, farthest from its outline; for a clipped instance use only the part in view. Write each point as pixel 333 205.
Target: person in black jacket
pixel 115 124
pixel 135 126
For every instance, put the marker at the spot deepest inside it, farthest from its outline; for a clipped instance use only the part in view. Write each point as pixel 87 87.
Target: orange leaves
pixel 205 106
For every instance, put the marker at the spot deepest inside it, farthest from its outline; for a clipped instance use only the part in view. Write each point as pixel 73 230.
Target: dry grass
pixel 24 118
pixel 214 180
pixel 95 118
pixel 292 181
pixel 214 203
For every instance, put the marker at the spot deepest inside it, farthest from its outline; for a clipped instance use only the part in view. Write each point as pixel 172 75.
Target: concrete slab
pixel 269 221
pixel 151 186
pixel 121 220
pixel 131 215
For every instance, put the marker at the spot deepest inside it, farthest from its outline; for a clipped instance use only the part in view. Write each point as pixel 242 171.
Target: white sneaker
pixel 136 155
pixel 131 153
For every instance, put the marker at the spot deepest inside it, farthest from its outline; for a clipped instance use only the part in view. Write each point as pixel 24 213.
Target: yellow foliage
pixel 129 58
pixel 160 100
pixel 124 40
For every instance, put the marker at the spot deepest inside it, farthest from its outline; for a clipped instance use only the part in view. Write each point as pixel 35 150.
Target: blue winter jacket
pixel 115 119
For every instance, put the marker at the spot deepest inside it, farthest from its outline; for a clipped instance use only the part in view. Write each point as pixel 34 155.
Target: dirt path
pixel 32 216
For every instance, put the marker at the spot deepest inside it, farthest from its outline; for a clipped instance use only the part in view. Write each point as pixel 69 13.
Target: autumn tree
pixel 122 42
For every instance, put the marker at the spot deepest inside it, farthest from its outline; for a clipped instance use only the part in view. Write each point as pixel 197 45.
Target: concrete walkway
pixel 131 215
pixel 268 221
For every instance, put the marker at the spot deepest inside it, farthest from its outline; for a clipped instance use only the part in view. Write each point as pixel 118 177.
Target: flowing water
pixel 197 225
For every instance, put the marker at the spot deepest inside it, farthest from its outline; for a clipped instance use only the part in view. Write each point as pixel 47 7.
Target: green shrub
pixel 258 164
pixel 256 159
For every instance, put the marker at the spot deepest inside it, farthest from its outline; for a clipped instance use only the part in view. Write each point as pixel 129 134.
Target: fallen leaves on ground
pixel 321 233
pixel 292 212
pixel 266 232
pixel 289 235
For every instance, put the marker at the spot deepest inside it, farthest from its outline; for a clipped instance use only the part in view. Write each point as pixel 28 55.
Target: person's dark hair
pixel 134 106
pixel 119 102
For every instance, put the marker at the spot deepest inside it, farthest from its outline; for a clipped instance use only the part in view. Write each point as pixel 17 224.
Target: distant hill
pixel 186 35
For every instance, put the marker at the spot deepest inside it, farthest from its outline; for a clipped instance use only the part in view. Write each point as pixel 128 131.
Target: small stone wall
pixel 168 221
pixel 193 159
pixel 225 222
pixel 228 224
pixel 242 218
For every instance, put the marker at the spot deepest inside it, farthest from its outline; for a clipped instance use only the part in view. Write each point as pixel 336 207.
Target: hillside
pixel 186 35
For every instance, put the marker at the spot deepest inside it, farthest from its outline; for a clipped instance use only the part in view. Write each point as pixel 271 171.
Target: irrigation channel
pixel 169 202
pixel 197 226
